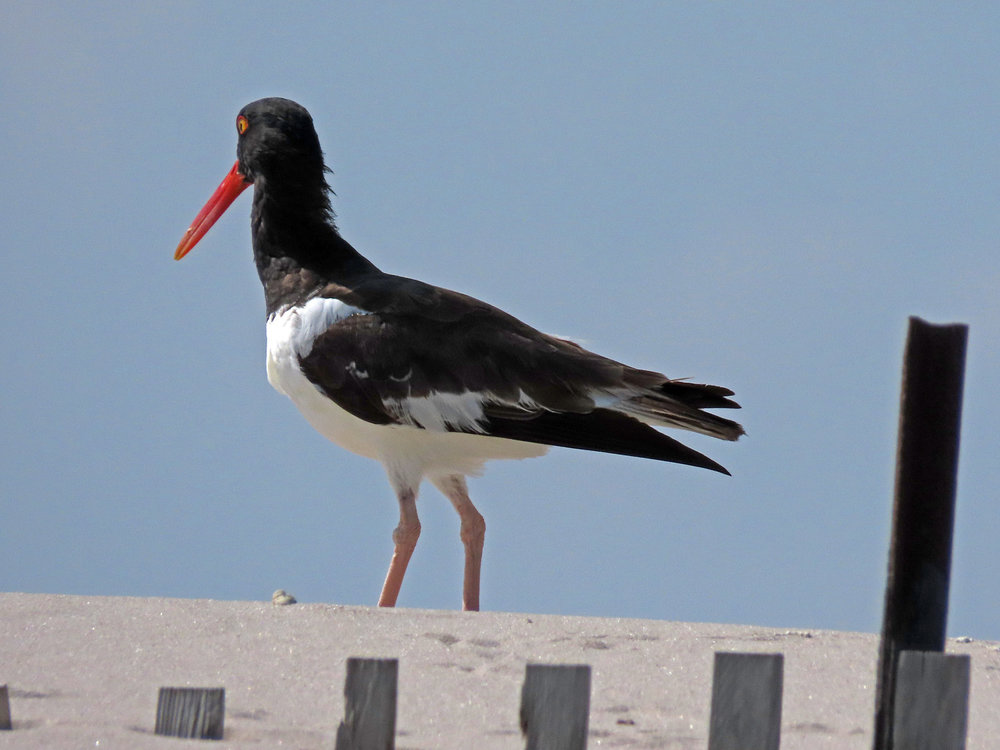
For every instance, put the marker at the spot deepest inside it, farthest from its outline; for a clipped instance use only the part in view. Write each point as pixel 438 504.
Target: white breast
pixel 290 335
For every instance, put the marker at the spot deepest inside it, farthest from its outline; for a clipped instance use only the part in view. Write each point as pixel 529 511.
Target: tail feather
pixel 678 403
pixel 698 395
pixel 665 412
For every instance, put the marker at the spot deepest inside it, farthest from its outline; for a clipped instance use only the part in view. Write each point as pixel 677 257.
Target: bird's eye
pixel 241 124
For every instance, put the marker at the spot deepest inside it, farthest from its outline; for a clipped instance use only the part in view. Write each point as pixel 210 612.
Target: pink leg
pixel 473 533
pixel 405 540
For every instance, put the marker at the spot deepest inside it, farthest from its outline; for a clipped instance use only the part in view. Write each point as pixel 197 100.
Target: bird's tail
pixel 678 403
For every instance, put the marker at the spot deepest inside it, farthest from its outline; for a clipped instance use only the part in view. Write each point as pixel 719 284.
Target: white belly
pixel 408 453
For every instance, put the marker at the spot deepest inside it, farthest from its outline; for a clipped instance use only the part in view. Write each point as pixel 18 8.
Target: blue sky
pixel 755 195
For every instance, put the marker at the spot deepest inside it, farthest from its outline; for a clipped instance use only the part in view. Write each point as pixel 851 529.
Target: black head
pixel 296 243
pixel 278 151
pixel 277 141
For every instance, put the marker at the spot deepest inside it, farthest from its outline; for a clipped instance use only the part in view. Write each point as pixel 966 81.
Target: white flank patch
pixel 438 411
pixel 461 411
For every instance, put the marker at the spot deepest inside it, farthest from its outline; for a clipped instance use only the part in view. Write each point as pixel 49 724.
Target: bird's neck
pixel 297 247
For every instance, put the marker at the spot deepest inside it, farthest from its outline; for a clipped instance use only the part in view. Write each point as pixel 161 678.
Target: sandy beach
pixel 85 671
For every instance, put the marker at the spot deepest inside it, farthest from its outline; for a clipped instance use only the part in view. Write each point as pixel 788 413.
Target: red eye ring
pixel 242 124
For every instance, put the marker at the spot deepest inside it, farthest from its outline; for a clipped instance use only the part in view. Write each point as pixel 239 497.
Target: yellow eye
pixel 241 124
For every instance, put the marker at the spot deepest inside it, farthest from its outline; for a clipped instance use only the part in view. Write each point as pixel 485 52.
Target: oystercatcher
pixel 430 382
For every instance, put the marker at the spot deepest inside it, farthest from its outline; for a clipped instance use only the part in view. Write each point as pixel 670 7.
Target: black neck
pixel 297 247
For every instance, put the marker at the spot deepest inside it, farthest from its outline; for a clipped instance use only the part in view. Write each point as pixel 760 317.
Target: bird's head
pixel 276 145
pixel 277 140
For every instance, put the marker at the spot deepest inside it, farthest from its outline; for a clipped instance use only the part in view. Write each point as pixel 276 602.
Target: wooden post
pixel 4 708
pixel 746 702
pixel 916 594
pixel 369 705
pixel 932 701
pixel 195 713
pixel 555 706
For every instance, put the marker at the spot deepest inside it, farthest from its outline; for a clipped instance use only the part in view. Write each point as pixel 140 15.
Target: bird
pixel 432 383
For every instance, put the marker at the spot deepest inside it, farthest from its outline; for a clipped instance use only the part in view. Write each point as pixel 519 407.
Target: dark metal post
pixel 916 594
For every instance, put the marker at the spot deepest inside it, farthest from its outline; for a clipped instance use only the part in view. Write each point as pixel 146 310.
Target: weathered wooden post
pixel 746 702
pixel 555 706
pixel 932 701
pixel 369 705
pixel 916 594
pixel 195 713
pixel 4 708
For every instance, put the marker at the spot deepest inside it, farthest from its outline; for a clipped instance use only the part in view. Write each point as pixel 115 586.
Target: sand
pixel 85 671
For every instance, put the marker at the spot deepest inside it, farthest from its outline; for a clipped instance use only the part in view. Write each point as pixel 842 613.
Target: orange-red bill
pixel 221 199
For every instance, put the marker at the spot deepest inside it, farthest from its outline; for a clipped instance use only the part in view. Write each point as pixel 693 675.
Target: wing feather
pixel 440 360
